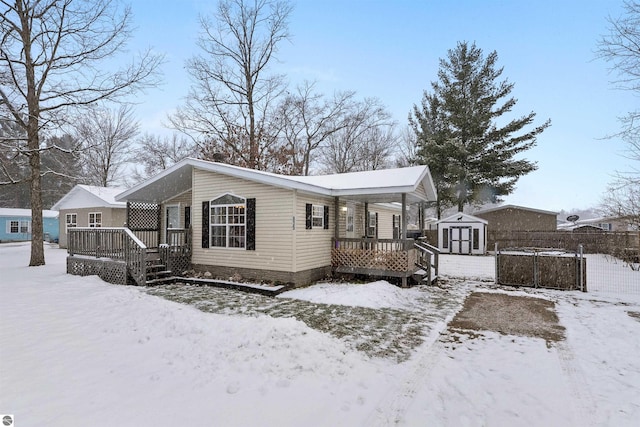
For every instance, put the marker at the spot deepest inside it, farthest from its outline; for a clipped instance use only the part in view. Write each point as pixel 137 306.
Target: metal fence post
pixel 581 277
pixel 497 261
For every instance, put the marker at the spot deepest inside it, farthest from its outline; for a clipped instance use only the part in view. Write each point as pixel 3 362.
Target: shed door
pixel 460 240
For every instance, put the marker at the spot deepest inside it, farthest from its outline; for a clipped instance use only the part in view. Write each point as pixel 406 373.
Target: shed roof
pixel 90 196
pixel 374 186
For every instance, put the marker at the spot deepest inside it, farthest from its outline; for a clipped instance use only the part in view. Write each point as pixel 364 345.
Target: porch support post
pixel 403 230
pixel 336 213
pixel 366 219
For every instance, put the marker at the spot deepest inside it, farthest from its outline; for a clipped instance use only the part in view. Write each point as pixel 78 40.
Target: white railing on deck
pixel 115 243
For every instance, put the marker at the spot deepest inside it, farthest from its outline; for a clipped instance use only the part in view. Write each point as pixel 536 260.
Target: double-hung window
pixel 71 220
pixel 317 218
pixel 19 226
pixel 228 222
pixel 95 219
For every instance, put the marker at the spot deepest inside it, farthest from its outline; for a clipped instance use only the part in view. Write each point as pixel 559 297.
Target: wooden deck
pixel 118 255
pixel 402 258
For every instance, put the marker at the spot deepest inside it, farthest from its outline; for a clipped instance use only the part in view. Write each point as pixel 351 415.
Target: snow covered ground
pixel 78 351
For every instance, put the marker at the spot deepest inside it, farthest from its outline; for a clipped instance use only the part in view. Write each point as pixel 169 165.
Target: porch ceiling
pixel 162 187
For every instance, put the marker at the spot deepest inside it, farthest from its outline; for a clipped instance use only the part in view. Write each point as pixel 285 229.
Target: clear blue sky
pixel 390 50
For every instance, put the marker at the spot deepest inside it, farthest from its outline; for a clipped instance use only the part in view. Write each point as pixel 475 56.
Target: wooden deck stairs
pixel 157 272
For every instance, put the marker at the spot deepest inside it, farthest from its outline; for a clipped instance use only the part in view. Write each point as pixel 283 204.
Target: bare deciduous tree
pixel 365 142
pixel 621 48
pixel 107 137
pixel 50 62
pixel 157 153
pixel 308 119
pixel 228 109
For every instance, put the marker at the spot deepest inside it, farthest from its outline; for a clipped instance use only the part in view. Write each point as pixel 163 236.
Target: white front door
pixel 172 216
pixel 460 241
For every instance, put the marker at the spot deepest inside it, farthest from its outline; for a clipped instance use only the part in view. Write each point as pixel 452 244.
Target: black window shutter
pixel 251 224
pixel 205 224
pixel 308 213
pixel 376 225
pixel 326 217
pixel 187 217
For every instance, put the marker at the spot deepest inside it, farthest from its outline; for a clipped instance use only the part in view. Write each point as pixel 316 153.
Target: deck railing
pixel 118 244
pixel 428 259
pixel 395 257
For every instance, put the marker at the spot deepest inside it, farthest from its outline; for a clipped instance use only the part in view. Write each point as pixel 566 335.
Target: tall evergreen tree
pixel 472 158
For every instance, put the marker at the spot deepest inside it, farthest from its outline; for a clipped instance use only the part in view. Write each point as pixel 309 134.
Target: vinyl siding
pixel 274 213
pixel 385 220
pixel 313 247
pixel 111 217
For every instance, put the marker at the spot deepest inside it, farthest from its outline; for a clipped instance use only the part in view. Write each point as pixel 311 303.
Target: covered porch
pixel 400 257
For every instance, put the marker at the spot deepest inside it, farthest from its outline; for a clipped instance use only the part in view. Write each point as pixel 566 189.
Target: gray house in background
pixel 90 206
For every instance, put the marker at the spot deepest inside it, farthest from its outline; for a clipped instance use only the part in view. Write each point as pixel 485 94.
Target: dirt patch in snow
pixel 509 315
pixel 634 314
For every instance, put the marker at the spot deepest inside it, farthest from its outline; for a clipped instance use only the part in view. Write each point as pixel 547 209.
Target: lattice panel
pixel 109 271
pixel 143 216
pixel 179 264
pixel 371 259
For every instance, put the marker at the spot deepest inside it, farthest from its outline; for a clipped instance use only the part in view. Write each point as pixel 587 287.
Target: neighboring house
pixel 518 218
pixel 462 234
pixel 602 224
pixel 15 225
pixel 90 206
pixel 289 229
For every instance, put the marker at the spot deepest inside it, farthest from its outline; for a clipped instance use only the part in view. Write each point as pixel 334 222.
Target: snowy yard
pixel 78 351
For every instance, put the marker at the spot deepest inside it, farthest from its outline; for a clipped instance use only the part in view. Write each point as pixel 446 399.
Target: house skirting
pixel 297 279
pixel 108 270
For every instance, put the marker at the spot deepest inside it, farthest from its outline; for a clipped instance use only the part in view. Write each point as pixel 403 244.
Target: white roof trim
pixel 104 197
pixel 327 185
pixel 462 217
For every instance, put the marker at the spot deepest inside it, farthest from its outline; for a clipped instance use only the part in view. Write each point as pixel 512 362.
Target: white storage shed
pixel 462 234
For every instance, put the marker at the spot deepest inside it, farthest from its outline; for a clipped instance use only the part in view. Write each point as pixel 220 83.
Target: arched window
pixel 228 221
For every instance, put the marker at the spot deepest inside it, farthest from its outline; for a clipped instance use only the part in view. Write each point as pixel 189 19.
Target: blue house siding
pixel 18 228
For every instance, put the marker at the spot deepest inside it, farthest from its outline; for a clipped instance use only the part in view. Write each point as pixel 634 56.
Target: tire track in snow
pixel 583 401
pixel 395 402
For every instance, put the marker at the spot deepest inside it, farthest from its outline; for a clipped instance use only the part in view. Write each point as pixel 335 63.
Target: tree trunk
pixel 37 244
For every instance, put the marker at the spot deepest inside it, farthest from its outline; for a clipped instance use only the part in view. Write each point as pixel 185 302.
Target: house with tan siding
pixel 89 206
pixel 289 229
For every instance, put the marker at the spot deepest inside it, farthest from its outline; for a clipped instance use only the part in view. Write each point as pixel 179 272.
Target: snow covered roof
pixel 26 212
pixel 374 186
pixel 90 196
pixel 524 208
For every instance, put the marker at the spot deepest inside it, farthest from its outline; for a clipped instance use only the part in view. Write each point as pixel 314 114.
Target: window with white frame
pixel 71 220
pixel 349 220
pixel 95 219
pixel 22 226
pixel 317 216
pixel 228 222
pixel 372 222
